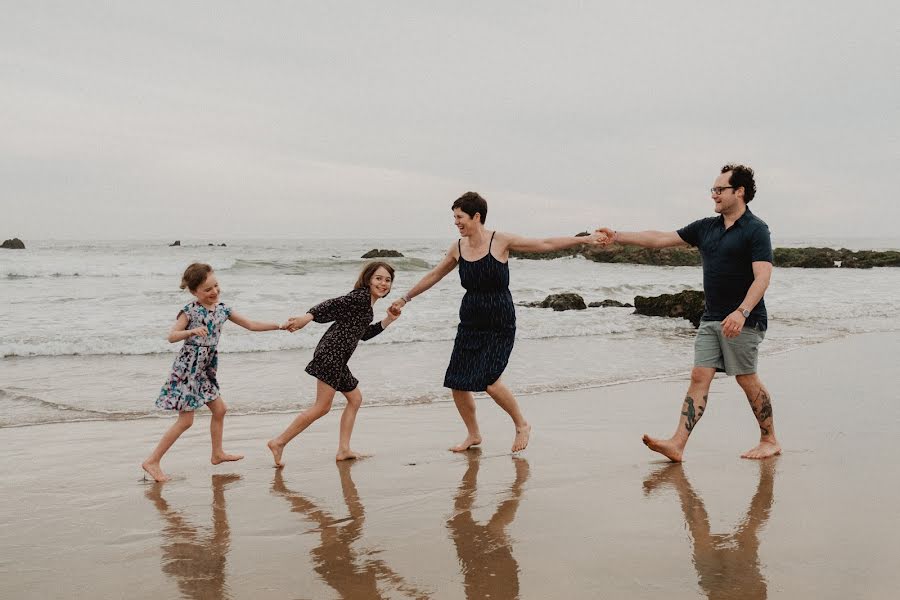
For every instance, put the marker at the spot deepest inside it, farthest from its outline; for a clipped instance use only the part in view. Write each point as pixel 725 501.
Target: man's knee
pixel 749 381
pixel 702 375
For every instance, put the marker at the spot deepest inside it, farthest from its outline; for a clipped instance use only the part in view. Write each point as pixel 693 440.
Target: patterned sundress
pixel 487 324
pixel 192 382
pixel 352 315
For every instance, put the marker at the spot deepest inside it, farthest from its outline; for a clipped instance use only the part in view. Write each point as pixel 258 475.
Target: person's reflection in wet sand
pixel 485 551
pixel 727 564
pixel 195 557
pixel 354 574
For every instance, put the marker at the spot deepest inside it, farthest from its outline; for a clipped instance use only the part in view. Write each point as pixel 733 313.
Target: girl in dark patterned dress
pixel 192 382
pixel 352 315
pixel 487 317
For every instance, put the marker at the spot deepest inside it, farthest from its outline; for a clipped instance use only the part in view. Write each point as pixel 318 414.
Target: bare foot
pixel 276 450
pixel 471 440
pixel 523 434
pixel 667 448
pixel 153 470
pixel 223 457
pixel 763 450
pixel 349 455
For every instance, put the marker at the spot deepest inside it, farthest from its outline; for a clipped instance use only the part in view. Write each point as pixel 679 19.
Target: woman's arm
pixel 431 278
pixel 523 244
pixel 180 331
pixel 252 325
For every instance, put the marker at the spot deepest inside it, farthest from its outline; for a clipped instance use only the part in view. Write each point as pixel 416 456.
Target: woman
pixel 487 317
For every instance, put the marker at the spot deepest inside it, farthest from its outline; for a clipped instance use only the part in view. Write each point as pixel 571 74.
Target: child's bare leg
pixel 324 398
pixel 465 404
pixel 216 427
pixel 348 418
pixel 691 410
pixel 151 465
pixel 505 399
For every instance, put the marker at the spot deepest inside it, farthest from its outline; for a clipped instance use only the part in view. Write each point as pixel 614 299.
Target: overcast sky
pixel 257 119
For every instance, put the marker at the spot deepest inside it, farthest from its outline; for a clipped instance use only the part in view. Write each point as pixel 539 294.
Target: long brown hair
pixel 368 270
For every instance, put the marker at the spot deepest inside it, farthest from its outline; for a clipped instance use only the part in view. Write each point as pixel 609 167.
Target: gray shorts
pixel 734 356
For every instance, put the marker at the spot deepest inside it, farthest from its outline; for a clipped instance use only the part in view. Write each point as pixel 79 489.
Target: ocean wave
pixel 317 265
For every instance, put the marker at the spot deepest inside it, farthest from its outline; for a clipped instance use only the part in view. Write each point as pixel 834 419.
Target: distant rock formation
pixel 13 244
pixel 568 301
pixel 376 253
pixel 688 304
pixel 610 303
pixel 175 243
pixel 683 256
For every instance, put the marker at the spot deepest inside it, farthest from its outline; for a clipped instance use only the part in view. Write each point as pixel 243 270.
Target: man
pixel 737 264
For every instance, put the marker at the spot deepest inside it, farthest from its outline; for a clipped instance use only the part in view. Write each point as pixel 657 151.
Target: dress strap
pixel 459 245
pixel 492 241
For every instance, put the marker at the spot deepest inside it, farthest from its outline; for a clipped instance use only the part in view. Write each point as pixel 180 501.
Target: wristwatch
pixel 744 312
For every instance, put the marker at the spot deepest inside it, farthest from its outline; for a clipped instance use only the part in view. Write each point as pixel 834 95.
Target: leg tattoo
pixel 763 410
pixel 691 415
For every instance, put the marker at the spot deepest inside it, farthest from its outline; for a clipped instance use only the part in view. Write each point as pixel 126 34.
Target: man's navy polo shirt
pixel 728 257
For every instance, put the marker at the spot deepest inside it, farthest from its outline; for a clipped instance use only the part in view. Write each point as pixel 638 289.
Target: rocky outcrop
pixel 610 303
pixel 13 244
pixel 687 304
pixel 175 243
pixel 566 301
pixel 683 256
pixel 376 253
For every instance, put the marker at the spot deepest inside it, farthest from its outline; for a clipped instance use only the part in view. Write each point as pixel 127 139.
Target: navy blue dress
pixel 487 325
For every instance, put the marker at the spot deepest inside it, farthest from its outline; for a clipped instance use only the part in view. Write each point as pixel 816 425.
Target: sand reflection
pixel 727 563
pixel 485 550
pixel 353 572
pixel 195 557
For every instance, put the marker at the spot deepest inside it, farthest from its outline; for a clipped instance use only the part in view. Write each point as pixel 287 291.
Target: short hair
pixel 368 270
pixel 471 203
pixel 195 275
pixel 741 176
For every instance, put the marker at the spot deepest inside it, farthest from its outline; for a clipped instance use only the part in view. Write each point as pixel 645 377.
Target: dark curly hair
pixel 741 176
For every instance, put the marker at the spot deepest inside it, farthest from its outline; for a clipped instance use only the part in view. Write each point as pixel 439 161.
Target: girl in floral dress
pixel 192 382
pixel 352 315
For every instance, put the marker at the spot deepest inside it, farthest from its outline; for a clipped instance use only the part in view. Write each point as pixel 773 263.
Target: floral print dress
pixel 192 382
pixel 352 315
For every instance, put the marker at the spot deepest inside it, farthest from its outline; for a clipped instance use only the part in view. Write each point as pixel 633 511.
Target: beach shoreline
pixel 578 514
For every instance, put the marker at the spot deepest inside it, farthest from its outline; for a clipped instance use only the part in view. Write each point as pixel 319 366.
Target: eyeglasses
pixel 718 190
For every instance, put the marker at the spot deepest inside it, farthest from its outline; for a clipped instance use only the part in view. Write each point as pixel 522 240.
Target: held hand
pixel 393 313
pixel 397 306
pixel 733 324
pixel 295 323
pixel 609 236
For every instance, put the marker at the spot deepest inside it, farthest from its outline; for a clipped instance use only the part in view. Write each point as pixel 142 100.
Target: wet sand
pixel 585 512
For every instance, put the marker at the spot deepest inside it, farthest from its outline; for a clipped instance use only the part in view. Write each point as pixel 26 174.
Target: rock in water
pixel 568 301
pixel 376 253
pixel 13 244
pixel 688 304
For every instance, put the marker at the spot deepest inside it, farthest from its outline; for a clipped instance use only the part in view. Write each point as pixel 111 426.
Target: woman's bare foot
pixel 276 450
pixel 153 470
pixel 523 434
pixel 349 454
pixel 667 448
pixel 763 450
pixel 471 440
pixel 223 457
